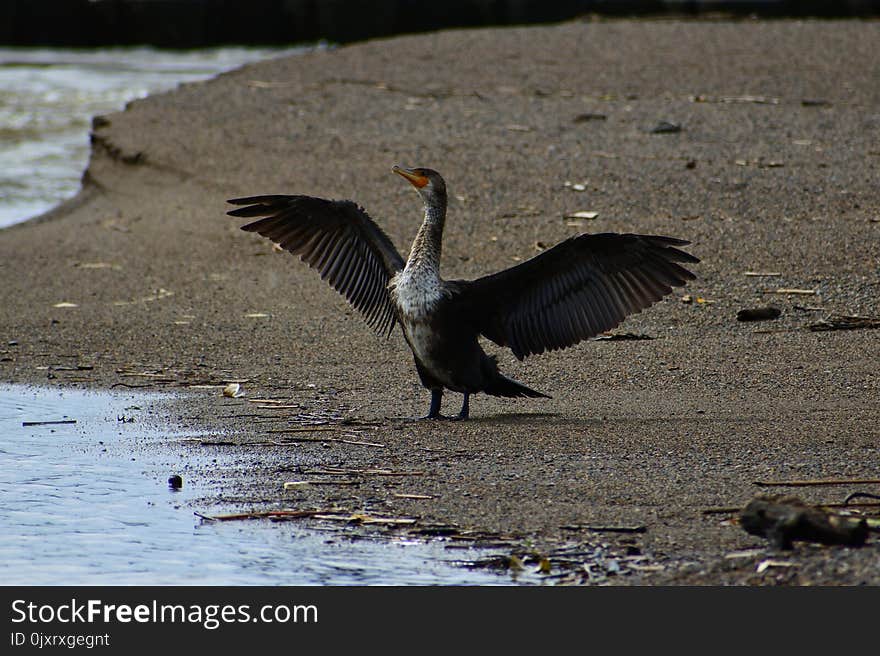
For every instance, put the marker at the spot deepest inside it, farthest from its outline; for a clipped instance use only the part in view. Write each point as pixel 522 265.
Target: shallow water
pixel 48 97
pixel 89 504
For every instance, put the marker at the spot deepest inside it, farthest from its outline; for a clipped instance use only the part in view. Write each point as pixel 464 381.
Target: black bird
pixel 581 287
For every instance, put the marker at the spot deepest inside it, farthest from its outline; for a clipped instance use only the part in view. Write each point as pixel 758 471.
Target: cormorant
pixel 580 288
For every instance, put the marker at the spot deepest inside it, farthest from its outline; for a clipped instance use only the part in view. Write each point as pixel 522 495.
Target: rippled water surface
pixel 89 503
pixel 49 96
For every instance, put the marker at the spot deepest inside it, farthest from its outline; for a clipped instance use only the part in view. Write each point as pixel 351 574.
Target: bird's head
pixel 427 182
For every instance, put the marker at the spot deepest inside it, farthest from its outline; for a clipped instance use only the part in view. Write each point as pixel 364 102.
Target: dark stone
pixel 665 127
pixel 758 314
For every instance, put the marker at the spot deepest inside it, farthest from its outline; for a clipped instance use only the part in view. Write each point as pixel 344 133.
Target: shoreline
pixel 162 289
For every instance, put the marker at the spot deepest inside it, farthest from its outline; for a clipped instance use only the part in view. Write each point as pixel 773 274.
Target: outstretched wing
pixel 339 240
pixel 575 290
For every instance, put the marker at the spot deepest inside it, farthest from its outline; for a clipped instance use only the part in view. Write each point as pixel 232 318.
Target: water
pixel 49 96
pixel 89 504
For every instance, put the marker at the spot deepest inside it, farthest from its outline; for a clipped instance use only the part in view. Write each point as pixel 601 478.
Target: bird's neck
pixel 424 256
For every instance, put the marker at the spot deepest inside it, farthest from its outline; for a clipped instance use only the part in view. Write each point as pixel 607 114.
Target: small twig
pixel 160 378
pixel 48 423
pixel 307 429
pixel 358 422
pixel 293 485
pixel 860 495
pixel 366 519
pixel 605 529
pixel 621 337
pixel 413 496
pixel 770 331
pixel 785 290
pixel 290 441
pixel 722 511
pixel 335 471
pixel 355 442
pixel 263 514
pixel 819 481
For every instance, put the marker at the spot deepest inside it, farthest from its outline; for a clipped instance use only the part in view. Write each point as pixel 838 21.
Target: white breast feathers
pixel 416 292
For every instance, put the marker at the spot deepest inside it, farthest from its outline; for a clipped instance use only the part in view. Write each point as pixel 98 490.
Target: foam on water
pixel 49 97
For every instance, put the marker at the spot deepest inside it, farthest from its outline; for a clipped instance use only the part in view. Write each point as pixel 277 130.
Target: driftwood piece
pixel 263 514
pixel 732 510
pixel 785 519
pixel 844 322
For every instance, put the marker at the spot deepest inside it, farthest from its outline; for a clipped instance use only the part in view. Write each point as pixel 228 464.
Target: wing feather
pixel 580 288
pixel 336 238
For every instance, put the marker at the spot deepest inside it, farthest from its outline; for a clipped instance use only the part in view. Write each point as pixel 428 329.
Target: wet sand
pixel 773 171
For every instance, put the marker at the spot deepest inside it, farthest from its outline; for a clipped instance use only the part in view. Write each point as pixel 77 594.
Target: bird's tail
pixel 504 386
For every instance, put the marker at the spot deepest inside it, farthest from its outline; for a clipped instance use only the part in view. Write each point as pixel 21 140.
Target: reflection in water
pixel 89 503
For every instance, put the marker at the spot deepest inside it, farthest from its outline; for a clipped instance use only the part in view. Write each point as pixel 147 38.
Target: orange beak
pixel 415 179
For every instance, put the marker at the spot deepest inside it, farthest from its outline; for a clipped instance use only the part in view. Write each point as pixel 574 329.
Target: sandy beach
pixel 772 169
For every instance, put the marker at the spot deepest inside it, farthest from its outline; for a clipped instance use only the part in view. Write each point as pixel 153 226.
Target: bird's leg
pixel 434 410
pixel 465 407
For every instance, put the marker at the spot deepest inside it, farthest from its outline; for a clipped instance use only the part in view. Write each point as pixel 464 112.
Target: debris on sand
pixel 758 314
pixel 233 391
pixel 844 322
pixel 791 290
pixel 665 127
pixel 48 423
pixel 589 116
pixel 783 519
pixel 620 337
pixel 361 518
pixel 758 100
pixel 815 102
pixel 639 528
pixel 275 515
pixel 581 215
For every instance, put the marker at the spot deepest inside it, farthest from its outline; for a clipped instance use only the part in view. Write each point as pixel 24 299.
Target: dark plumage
pixel 337 238
pixel 580 288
